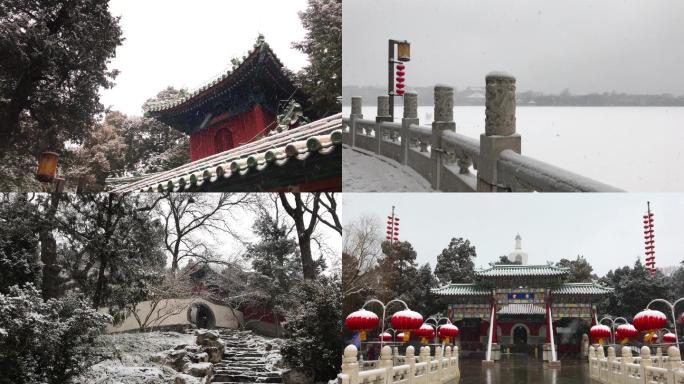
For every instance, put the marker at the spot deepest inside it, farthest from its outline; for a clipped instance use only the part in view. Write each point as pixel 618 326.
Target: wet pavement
pixel 523 369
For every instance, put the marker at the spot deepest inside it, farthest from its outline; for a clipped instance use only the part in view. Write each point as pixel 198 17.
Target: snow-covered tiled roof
pixel 320 137
pixel 507 270
pixel 462 290
pixel 582 289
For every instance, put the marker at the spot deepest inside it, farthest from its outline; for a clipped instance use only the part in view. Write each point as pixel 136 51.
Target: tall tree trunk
pixel 48 251
pixel 308 265
pixel 99 290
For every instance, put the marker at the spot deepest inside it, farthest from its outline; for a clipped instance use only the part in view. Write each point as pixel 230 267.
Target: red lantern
pixel 649 321
pixel 401 336
pixel 448 331
pixel 625 332
pixel 385 336
pixel 362 321
pixel 599 332
pixel 682 319
pixel 406 321
pixel 669 338
pixel 425 332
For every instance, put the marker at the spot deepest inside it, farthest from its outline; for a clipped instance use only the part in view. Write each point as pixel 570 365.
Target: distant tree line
pixel 475 96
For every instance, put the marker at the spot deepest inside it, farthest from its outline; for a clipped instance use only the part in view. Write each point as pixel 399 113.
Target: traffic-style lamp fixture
pixel 404 51
pixel 47 167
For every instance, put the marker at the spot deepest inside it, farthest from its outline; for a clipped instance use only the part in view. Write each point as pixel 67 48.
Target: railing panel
pixel 657 375
pixel 391 150
pixel 420 162
pixel 453 180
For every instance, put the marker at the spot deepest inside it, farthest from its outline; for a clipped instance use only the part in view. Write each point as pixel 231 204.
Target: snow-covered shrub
pixel 45 341
pixel 314 329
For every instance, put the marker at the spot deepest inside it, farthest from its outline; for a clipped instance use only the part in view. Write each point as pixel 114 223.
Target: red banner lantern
pixel 402 337
pixel 447 332
pixel 599 332
pixel 425 332
pixel 649 321
pixel 406 321
pixel 362 321
pixel 669 338
pixel 385 336
pixel 625 332
pixel 400 79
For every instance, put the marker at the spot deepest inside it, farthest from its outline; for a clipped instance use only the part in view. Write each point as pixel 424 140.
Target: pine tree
pixel 398 270
pixel 455 264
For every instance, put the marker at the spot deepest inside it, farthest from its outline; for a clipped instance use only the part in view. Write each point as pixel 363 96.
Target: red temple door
pixel 223 140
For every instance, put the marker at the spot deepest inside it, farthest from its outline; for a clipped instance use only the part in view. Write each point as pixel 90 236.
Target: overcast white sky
pixel 605 228
pixel 587 46
pixel 186 43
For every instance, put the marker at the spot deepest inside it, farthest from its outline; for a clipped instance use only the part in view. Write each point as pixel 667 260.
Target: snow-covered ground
pixel 365 172
pixel 127 358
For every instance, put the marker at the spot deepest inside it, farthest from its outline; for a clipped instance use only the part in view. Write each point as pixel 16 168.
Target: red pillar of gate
pixel 494 332
pixel 548 329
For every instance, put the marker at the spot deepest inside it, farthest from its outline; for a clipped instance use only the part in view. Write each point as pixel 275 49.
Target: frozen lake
pixel 638 149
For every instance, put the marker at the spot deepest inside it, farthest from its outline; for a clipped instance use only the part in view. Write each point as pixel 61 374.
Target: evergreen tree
pixel 53 63
pixel 423 300
pixel 314 329
pixel 634 289
pixel 19 254
pixel 580 269
pixel 398 270
pixel 322 78
pixel 276 260
pixel 504 260
pixel 455 264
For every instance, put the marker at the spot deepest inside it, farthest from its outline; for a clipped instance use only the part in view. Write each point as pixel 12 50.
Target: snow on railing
pixel 454 162
pixel 643 369
pixel 422 369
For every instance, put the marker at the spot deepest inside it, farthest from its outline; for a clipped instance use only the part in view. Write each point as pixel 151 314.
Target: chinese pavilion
pixel 234 108
pixel 236 141
pixel 523 307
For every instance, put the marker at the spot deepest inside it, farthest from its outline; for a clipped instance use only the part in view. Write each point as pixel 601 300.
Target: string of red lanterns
pixel 392 228
pixel 649 239
pixel 400 79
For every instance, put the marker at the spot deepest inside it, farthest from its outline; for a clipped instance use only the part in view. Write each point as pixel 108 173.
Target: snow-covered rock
pixel 200 369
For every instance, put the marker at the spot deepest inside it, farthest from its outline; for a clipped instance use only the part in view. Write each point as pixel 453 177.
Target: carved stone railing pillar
pixel 411 360
pixel 350 364
pixel 356 114
pixel 410 117
pixel 499 129
pixel 382 116
pixel 444 120
pixel 386 362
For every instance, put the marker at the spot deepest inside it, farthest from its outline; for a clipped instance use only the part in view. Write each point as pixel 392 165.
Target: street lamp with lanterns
pixel 403 321
pixel 398 53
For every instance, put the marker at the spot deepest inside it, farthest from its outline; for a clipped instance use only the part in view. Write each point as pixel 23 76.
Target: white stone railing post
pixel 411 361
pixel 386 362
pixel 382 116
pixel 625 358
pixel 425 358
pixel 499 129
pixel 611 359
pixel 410 117
pixel 356 114
pixel 645 360
pixel 438 358
pixel 350 364
pixel 444 120
pixel 674 358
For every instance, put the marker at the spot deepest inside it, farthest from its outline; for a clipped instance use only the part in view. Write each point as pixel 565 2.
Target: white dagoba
pixel 518 255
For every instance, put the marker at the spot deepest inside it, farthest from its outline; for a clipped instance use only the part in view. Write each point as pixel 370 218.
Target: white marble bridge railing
pixel 445 158
pixel 643 369
pixel 442 368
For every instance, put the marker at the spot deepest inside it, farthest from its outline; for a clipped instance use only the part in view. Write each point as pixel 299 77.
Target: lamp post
pixel 672 311
pixel 384 312
pixel 403 54
pixel 613 323
pixel 437 324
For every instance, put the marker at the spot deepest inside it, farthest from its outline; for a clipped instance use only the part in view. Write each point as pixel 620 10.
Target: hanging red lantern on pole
pixel 401 337
pixel 392 228
pixel 649 239
pixel 362 321
pixel 599 332
pixel 682 319
pixel 447 332
pixel 400 79
pixel 669 338
pixel 625 332
pixel 406 321
pixel 649 321
pixel 425 332
pixel 385 336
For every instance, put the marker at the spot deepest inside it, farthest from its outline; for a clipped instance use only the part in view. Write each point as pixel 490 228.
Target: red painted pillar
pixel 494 332
pixel 548 329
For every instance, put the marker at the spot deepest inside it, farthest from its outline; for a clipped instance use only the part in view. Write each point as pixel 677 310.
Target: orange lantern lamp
pixel 47 167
